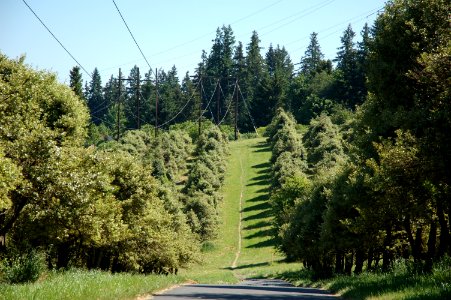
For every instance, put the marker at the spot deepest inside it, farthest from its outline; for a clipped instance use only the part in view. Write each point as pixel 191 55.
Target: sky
pixel 170 32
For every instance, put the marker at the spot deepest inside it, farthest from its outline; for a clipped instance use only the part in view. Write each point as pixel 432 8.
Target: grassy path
pixel 244 247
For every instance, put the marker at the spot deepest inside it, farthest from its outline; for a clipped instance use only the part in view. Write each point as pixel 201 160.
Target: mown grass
pixel 258 258
pixel 80 284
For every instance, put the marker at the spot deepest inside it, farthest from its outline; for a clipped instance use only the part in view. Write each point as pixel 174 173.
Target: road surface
pixel 261 289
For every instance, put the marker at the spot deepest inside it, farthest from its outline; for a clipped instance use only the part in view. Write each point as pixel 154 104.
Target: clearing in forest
pixel 245 247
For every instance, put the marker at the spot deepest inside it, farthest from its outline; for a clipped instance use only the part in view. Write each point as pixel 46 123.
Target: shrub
pixel 24 268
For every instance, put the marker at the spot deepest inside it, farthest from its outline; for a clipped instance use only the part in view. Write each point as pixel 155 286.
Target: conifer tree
pixel 95 100
pixel 313 60
pixel 76 82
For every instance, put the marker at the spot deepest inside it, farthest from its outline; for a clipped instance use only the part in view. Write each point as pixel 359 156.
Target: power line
pixel 183 108
pixel 353 19
pixel 43 24
pixel 132 35
pixel 197 38
pixel 248 111
pixel 305 12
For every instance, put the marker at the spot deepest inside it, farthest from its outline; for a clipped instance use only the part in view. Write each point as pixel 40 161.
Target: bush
pixel 24 268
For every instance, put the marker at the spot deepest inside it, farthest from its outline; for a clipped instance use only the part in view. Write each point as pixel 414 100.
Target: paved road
pixel 261 289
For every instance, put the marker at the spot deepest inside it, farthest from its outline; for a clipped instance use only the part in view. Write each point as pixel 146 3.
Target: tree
pixel 255 72
pixel 75 81
pixel 38 118
pixel 131 106
pixel 312 62
pixel 347 65
pixel 95 100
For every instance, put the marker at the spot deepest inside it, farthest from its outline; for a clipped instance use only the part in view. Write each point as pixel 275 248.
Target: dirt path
pixel 238 252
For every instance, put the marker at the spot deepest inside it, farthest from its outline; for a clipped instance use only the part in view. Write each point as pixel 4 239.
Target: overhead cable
pixel 120 14
pixel 61 44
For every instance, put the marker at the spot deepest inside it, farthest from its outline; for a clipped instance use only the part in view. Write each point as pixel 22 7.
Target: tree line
pixel 141 203
pixel 230 70
pixel 361 189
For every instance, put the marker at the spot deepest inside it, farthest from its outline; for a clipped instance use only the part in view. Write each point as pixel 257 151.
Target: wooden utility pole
pixel 156 102
pixel 119 105
pixel 236 110
pixel 218 98
pixel 137 101
pixel 200 103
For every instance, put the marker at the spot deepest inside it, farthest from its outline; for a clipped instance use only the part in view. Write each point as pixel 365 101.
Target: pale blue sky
pixel 171 32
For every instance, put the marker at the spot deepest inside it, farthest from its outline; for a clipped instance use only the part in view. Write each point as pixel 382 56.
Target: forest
pixel 127 176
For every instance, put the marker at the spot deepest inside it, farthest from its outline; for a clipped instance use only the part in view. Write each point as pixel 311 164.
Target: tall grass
pixel 402 282
pixel 78 284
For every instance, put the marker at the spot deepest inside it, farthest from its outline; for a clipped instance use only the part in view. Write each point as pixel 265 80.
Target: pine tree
pixel 312 62
pixel 131 99
pixel 76 82
pixel 347 65
pixel 95 99
pixel 219 68
pixel 255 73
pixel 239 72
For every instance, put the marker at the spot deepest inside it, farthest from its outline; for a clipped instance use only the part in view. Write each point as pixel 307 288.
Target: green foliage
pixel 205 178
pixel 23 268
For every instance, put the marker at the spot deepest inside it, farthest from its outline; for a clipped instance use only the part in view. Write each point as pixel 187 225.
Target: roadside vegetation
pixel 349 189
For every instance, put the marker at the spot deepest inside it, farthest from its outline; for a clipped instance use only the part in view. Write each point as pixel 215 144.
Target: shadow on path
pixel 262 289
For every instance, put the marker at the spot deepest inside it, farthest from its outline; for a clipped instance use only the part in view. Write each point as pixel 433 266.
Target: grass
pixel 80 284
pixel 247 174
pixel 400 283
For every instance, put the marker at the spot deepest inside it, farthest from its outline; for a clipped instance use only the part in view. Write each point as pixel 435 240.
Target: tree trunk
pixel 444 230
pixel 62 256
pixel 410 238
pixel 338 263
pixel 370 258
pixel 432 241
pixel 386 254
pixel 359 259
pixel 349 262
pixel 418 249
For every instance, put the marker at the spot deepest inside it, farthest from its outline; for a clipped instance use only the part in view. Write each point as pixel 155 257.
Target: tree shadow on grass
pixel 262 147
pixel 266 243
pixel 261 215
pixel 265 177
pixel 248 266
pixel 265 190
pixel 260 224
pixel 259 198
pixel 265 166
pixel 261 206
pixel 362 287
pixel 261 233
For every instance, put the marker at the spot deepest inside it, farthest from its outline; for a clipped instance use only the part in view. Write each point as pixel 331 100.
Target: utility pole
pixel 236 110
pixel 156 102
pixel 137 101
pixel 218 98
pixel 200 103
pixel 119 105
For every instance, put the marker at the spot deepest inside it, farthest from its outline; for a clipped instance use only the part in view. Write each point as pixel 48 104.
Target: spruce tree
pixel 347 65
pixel 312 62
pixel 95 100
pixel 76 82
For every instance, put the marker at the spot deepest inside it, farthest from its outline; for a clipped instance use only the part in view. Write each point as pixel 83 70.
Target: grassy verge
pixel 401 283
pixel 77 284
